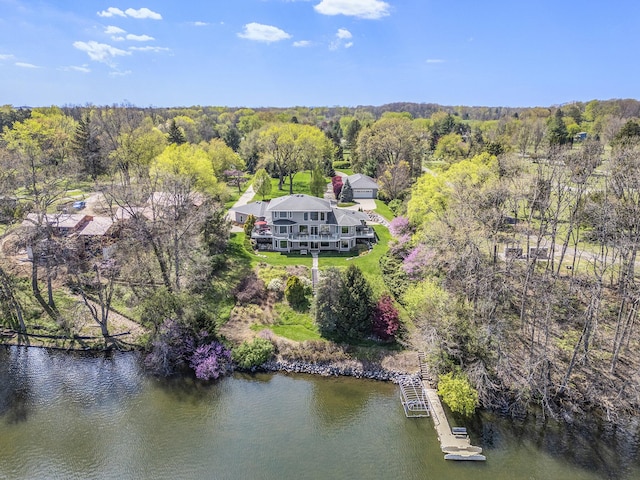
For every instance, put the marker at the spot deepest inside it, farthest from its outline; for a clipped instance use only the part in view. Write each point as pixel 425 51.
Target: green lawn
pixel 346 171
pixel 384 210
pixel 301 182
pixel 297 326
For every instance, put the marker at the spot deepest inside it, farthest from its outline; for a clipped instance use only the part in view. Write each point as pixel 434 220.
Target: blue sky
pixel 317 52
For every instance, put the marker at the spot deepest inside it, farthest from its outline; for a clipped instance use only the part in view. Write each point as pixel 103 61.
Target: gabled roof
pixel 359 180
pixel 299 203
pixel 63 220
pixel 97 227
pixel 347 218
pixel 257 209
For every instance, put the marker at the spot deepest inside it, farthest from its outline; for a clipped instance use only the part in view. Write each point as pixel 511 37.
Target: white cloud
pixel 130 12
pixel 139 38
pixel 74 68
pixel 111 12
pixel 100 52
pixel 150 49
pixel 435 60
pixel 5 56
pixel 341 35
pixel 263 33
pixel 111 30
pixel 143 13
pixel 118 73
pixel 26 65
pixel 200 24
pixel 369 9
pixel 302 43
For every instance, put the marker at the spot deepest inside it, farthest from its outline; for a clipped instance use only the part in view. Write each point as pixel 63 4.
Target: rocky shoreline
pixel 375 372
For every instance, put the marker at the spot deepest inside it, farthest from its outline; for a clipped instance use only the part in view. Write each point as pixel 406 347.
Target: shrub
pixel 253 354
pixel 249 224
pixel 386 319
pixel 417 261
pixel 400 226
pixel 342 164
pixel 211 360
pixel 457 392
pixel 250 290
pixel 296 293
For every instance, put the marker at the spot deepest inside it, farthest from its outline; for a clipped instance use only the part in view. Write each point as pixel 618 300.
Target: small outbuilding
pixel 363 186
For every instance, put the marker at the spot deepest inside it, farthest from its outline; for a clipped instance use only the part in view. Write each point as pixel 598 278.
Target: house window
pixel 303 228
pixel 282 229
pixel 314 216
pixel 324 244
pixel 283 244
pixel 344 244
pixel 322 216
pixel 304 244
pixel 306 216
pixel 345 229
pixel 324 230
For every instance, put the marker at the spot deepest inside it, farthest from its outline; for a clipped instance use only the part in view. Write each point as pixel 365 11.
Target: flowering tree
pixel 399 226
pixel 210 360
pixel 417 261
pixel 336 182
pixel 386 319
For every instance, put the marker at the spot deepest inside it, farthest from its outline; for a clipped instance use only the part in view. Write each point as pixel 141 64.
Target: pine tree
pixel 175 134
pixel 346 194
pixel 355 305
pixel 558 133
pixel 327 312
pixel 86 146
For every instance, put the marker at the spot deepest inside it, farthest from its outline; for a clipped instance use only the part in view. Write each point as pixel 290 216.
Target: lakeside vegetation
pixel 469 192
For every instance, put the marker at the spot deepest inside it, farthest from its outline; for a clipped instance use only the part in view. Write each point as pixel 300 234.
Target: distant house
pixel 63 224
pixel 301 222
pixel 363 186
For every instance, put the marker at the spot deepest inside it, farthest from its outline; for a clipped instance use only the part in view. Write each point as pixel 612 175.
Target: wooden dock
pixel 454 443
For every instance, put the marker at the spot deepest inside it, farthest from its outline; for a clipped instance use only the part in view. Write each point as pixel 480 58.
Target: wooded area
pixel 512 261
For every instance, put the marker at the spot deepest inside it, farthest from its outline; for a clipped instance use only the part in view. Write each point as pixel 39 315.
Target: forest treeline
pixel 514 246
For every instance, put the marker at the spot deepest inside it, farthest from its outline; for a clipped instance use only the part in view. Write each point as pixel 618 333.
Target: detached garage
pixel 363 186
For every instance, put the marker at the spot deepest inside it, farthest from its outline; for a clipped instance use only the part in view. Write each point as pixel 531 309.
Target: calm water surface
pixel 81 417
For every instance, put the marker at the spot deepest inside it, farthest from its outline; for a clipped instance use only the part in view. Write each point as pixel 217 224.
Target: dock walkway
pixel 454 446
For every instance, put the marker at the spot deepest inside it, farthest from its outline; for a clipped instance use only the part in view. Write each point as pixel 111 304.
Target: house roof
pixel 359 180
pixel 63 220
pixel 346 218
pixel 299 203
pixel 257 209
pixel 97 227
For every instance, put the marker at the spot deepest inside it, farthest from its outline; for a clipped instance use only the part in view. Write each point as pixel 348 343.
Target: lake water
pixel 68 416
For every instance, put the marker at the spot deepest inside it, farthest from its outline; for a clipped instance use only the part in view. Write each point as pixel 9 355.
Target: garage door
pixel 363 193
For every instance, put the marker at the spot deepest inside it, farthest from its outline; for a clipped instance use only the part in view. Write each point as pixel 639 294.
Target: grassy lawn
pixel 301 182
pixel 234 195
pixel 384 210
pixel 237 243
pixel 369 263
pixel 297 326
pixel 346 171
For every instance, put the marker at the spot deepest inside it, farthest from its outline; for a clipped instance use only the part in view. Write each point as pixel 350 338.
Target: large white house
pixel 301 222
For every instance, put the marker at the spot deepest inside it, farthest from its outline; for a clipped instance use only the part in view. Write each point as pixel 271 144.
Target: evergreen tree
pixel 352 133
pixel 262 183
pixel 629 133
pixel 86 147
pixel 175 134
pixel 346 194
pixel 557 130
pixel 327 313
pixel 232 138
pixel 355 305
pixel 318 184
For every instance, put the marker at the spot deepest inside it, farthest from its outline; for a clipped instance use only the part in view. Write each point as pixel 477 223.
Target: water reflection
pixel 80 416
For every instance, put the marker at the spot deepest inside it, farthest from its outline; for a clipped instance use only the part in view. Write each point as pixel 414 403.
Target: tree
pixel 249 224
pixel 86 147
pixel 355 305
pixel 327 311
pixel 386 319
pixel 254 354
pixel 629 133
pixel 262 183
pixel 176 135
pixel 296 293
pixel 557 130
pixel 346 193
pixel 235 177
pixel 457 393
pixel 395 180
pixel 232 138
pixel 318 184
pixel 336 182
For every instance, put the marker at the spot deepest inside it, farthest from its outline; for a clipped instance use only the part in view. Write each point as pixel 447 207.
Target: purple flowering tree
pixel 210 361
pixel 386 319
pixel 417 261
pixel 400 226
